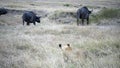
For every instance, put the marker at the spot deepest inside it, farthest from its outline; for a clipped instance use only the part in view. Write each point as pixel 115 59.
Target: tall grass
pixel 109 13
pixel 106 14
pixel 15 6
pixel 38 48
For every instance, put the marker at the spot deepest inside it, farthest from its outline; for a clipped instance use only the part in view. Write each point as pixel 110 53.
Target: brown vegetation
pixel 37 46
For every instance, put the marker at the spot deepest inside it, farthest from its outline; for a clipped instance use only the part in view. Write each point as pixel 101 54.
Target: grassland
pixel 106 14
pixel 37 46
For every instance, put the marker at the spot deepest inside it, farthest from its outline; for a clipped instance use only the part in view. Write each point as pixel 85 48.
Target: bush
pixel 67 5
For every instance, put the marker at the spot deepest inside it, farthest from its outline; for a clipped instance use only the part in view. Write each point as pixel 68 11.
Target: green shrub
pixel 67 5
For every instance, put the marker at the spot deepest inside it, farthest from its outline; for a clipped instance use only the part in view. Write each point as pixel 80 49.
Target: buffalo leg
pixel 77 22
pixel 34 23
pixel 82 21
pixel 87 21
pixel 23 22
pixel 28 23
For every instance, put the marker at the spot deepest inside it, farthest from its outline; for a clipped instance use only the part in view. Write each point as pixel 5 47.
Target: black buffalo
pixel 83 13
pixel 30 17
pixel 3 11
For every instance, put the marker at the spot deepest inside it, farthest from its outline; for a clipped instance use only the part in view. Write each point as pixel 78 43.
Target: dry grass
pixel 37 46
pixel 106 14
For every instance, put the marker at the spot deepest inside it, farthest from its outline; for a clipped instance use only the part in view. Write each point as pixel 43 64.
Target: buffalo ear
pixel 60 45
pixel 90 11
pixel 68 45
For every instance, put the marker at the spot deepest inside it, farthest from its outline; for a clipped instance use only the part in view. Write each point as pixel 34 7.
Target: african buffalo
pixel 30 17
pixel 3 11
pixel 83 13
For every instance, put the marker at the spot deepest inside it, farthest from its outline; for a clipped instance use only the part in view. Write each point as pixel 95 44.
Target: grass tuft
pixel 67 5
pixel 15 6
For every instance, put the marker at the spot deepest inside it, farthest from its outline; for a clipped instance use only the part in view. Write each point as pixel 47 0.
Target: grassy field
pixel 38 46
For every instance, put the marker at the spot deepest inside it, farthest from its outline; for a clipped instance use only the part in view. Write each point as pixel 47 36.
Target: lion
pixel 72 54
